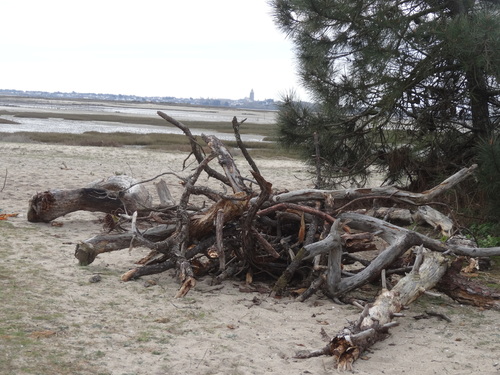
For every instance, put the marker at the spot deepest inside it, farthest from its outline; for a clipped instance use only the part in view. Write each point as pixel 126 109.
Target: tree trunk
pixel 478 94
pixel 110 195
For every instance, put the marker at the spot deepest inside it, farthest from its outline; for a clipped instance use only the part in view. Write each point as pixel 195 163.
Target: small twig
pixel 319 180
pixel 134 230
pixel 152 179
pixel 438 315
pixel 199 363
pixel 265 245
pixel 384 280
pixel 418 260
pixel 358 305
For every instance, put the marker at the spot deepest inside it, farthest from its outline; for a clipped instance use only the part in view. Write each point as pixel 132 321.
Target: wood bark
pixel 87 250
pixel 388 192
pixel 467 291
pixel 116 193
pixel 422 214
pixel 375 320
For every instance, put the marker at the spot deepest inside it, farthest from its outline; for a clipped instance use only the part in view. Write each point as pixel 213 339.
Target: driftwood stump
pixel 108 195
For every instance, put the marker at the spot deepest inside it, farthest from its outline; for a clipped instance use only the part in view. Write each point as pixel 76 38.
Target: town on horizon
pixel 248 102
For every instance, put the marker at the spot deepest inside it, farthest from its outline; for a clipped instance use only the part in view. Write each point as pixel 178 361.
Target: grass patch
pixel 217 126
pixel 155 141
pixel 166 142
pixel 32 330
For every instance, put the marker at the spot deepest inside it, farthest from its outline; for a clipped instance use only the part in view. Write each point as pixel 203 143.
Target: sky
pixel 180 48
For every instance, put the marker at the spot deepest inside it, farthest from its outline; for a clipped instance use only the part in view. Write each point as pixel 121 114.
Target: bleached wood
pixel 384 191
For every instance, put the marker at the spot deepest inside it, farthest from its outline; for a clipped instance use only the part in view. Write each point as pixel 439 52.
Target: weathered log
pixel 226 162
pixel 389 192
pixel 88 250
pixel 467 291
pixel 108 195
pixel 334 274
pixel 375 321
pixel 399 240
pixel 389 232
pixel 423 214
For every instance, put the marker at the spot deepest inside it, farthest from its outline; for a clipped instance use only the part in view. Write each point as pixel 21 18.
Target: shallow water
pixel 57 125
pixel 181 113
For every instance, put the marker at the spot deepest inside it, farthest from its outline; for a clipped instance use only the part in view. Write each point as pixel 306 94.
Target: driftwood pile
pixel 301 241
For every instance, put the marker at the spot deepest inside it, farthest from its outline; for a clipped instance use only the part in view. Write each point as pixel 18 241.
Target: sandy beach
pixel 53 320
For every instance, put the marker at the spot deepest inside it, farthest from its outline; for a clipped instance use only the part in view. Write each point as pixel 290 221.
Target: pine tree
pixel 406 88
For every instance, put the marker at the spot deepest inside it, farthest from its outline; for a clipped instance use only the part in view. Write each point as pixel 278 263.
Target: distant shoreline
pixel 111 123
pixel 244 103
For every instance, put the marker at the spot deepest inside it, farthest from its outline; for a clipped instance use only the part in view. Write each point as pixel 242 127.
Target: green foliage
pixel 486 234
pixel 403 88
pixel 475 41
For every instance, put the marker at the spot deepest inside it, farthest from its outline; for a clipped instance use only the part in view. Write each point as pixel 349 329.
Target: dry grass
pixel 222 127
pixel 167 142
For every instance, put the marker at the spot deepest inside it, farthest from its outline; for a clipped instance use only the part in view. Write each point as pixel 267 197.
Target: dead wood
pixel 86 251
pixel 299 238
pixel 465 290
pixel 196 148
pixel 226 161
pixel 374 322
pixel 164 194
pixel 400 240
pixel 422 214
pixel 247 232
pixel 116 193
pixel 388 192
pixel 239 142
pixel 165 264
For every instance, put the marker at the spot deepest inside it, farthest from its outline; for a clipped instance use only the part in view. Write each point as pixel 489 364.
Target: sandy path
pixel 54 321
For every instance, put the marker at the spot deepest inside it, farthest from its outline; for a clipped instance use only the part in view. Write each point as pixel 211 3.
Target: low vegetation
pixel 166 142
pixel 214 126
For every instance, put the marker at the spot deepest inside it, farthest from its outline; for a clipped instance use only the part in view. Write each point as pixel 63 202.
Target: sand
pixel 53 320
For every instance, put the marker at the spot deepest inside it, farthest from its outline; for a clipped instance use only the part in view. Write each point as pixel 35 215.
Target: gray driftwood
pixel 374 322
pixel 116 193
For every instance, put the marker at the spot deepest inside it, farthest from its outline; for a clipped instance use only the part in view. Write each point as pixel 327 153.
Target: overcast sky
pixel 182 48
